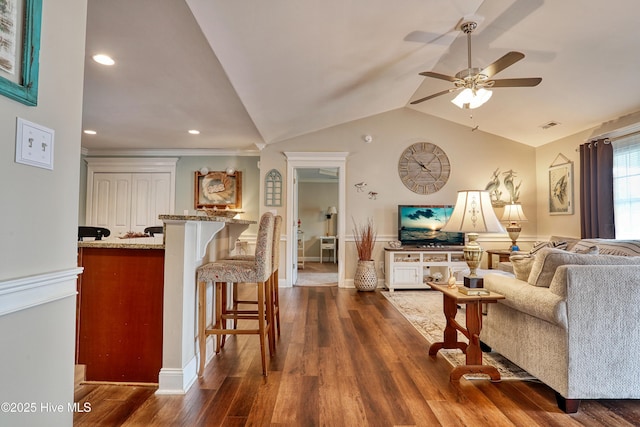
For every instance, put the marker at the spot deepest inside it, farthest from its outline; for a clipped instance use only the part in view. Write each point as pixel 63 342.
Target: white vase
pixel 366 278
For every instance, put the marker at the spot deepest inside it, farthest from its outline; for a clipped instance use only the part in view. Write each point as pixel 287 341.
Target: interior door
pixel 294 230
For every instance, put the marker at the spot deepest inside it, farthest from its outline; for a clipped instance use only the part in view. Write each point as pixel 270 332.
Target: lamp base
pixel 472 254
pixel 473 282
pixel 514 232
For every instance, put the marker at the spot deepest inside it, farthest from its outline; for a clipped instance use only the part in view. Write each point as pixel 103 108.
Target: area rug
pixel 423 309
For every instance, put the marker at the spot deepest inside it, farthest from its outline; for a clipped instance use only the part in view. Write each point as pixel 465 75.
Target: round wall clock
pixel 424 168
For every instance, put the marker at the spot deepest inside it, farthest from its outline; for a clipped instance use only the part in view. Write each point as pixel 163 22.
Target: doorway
pixel 317 212
pixel 299 164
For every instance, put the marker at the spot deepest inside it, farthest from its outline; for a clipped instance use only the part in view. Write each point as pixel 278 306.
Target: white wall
pixel 569 225
pixel 473 156
pixel 38 231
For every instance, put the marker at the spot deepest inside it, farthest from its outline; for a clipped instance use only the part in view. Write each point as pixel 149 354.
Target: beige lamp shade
pixel 513 213
pixel 332 210
pixel 473 213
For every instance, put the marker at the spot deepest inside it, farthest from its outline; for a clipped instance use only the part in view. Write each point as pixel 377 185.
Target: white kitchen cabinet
pixel 128 194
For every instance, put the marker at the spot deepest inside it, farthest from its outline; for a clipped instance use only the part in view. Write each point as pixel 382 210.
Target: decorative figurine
pixel 452 279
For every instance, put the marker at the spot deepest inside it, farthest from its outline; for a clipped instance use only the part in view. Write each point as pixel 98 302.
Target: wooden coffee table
pixel 451 299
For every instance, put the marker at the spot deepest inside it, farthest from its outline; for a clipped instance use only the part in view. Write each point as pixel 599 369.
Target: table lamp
pixel 331 210
pixel 473 214
pixel 513 214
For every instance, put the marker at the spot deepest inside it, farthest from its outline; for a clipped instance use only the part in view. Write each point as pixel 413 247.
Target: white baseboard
pixel 31 291
pixel 177 381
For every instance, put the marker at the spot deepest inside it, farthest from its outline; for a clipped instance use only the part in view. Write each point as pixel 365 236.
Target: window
pixel 626 186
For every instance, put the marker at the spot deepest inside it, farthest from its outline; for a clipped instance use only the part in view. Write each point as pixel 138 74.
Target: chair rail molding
pixel 31 291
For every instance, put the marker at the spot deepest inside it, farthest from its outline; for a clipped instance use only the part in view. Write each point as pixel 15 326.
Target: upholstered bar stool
pixel 226 271
pixel 273 279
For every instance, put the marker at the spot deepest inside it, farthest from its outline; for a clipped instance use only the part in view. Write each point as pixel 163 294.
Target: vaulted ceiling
pixel 249 73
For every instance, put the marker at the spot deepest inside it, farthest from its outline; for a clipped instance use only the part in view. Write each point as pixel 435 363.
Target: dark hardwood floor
pixel 345 358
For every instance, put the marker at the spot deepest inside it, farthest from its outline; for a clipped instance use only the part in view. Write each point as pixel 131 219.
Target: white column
pixel 189 243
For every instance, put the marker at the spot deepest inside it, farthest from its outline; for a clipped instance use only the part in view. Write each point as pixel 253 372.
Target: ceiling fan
pixel 474 82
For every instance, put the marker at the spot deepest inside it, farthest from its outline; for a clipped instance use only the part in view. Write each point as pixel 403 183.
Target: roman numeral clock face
pixel 424 168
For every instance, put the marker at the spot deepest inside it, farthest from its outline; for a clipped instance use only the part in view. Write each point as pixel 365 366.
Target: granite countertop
pixel 155 242
pixel 206 218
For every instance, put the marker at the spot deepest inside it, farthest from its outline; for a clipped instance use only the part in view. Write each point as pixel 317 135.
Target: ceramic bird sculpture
pixel 373 195
pixel 492 186
pixel 360 186
pixel 514 190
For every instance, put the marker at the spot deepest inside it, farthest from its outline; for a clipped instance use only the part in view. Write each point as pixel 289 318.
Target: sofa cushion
pixel 571 241
pixel 611 246
pixel 521 265
pixel 537 246
pixel 535 301
pixel 548 260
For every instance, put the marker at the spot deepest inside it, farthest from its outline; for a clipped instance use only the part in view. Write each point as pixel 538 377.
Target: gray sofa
pixel 572 320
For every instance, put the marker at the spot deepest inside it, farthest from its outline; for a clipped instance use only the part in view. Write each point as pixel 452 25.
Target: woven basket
pixel 366 278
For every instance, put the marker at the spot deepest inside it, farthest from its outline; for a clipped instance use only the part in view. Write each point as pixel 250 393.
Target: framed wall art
pixel 273 188
pixel 20 22
pixel 218 190
pixel 561 188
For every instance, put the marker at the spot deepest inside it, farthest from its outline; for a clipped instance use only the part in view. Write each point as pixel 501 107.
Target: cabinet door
pixel 407 274
pixel 111 203
pixel 149 198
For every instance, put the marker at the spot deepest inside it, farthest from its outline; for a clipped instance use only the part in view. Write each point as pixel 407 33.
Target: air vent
pixel 549 125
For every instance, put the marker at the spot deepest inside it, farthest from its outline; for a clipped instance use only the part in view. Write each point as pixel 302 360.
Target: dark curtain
pixel 596 190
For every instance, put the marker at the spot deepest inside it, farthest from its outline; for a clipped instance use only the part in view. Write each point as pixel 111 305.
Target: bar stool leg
pixel 276 301
pixel 219 321
pixel 261 326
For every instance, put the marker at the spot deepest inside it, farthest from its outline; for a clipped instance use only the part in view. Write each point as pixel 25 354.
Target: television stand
pixel 414 267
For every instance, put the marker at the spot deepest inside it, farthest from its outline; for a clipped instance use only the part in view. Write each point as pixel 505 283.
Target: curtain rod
pixel 614 138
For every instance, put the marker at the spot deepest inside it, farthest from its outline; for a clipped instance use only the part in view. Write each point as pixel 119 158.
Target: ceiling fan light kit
pixel 469 98
pixel 474 82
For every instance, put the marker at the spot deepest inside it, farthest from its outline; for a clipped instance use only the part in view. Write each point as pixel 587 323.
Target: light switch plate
pixel 34 144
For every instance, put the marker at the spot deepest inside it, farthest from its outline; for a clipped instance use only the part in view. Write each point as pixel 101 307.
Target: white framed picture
pixel 561 189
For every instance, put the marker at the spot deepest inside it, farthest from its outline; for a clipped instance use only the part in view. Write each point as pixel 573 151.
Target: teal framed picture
pixel 20 24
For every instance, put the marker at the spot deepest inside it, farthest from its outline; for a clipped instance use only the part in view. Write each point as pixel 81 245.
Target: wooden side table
pixel 503 255
pixel 451 299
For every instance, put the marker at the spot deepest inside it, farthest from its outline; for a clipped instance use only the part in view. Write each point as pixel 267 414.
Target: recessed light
pixel 194 132
pixel 103 59
pixel 90 132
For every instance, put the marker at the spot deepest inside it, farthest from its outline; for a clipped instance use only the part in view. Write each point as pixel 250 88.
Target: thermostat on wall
pixel 34 144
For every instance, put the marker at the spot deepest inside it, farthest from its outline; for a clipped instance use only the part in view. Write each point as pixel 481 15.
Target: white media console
pixel 412 268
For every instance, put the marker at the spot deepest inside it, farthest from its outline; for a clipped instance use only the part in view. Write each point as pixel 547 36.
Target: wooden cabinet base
pixel 120 298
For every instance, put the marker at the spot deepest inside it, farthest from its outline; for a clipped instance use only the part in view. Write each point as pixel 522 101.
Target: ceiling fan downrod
pixel 468 28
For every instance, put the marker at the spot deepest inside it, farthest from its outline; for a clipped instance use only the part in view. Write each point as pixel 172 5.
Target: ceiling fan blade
pixel 444 92
pixel 502 63
pixel 523 82
pixel 438 76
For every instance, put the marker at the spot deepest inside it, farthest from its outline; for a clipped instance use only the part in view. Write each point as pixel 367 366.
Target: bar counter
pixel 132 295
pixel 119 309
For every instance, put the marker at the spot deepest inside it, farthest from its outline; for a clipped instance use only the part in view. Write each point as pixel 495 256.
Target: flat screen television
pixel 420 226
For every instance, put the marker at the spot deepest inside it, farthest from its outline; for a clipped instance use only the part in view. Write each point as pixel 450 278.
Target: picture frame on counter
pixel 218 189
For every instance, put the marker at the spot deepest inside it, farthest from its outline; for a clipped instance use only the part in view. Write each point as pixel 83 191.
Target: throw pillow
pixel 591 250
pixel 521 265
pixel 551 244
pixel 611 246
pixel 548 260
